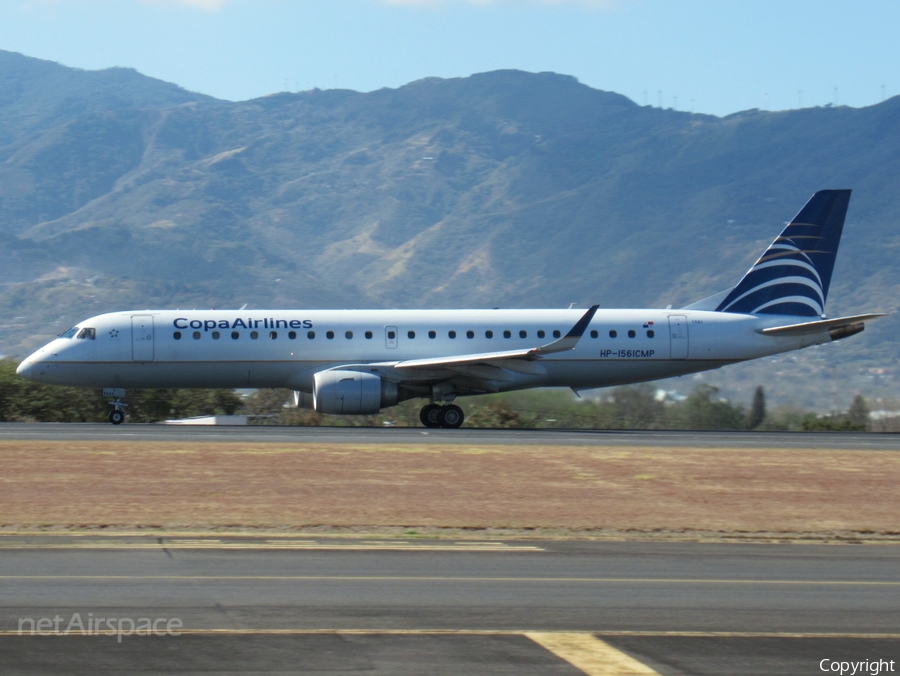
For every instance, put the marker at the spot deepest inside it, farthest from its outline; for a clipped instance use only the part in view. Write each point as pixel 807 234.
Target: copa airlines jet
pixel 360 361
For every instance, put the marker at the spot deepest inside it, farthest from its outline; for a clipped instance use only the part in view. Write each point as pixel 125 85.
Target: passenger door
pixel 678 337
pixel 142 338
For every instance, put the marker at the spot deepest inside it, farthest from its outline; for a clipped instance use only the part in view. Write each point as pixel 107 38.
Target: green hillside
pixel 503 189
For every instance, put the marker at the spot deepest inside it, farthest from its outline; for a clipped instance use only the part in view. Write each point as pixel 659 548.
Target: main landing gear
pixel 435 415
pixel 117 415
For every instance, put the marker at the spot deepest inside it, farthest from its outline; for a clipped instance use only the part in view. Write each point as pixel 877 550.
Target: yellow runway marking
pixel 583 650
pixel 197 535
pixel 588 653
pixel 284 544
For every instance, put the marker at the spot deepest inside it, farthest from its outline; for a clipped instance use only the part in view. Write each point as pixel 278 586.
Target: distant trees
pixel 162 404
pixel 636 407
pixel 497 413
pixel 856 419
pixel 642 407
pixel 639 406
pixel 757 409
pixel 21 400
pixel 626 407
pixel 704 410
pixel 858 414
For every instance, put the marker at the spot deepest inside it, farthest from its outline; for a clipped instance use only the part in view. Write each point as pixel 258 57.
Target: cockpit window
pixel 68 334
pixel 87 334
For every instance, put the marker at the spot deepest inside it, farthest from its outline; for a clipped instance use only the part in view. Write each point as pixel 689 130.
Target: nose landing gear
pixel 117 415
pixel 435 415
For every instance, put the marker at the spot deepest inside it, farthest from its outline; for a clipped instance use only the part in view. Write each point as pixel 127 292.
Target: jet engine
pixel 354 392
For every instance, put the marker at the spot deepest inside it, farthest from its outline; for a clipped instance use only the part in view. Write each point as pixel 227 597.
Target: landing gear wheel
pixel 116 417
pixel 451 416
pixel 430 415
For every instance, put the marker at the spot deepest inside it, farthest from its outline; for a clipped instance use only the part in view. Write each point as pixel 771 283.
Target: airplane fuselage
pixel 285 348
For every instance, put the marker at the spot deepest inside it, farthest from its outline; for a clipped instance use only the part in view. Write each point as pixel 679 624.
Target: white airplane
pixel 360 361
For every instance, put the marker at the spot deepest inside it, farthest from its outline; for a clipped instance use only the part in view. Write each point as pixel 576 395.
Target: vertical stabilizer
pixel 793 275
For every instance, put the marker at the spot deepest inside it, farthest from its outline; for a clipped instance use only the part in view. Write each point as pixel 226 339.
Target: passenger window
pixel 293 335
pixel 488 334
pixel 348 335
pixel 87 334
pixel 470 334
pixel 432 334
pixel 254 335
pixel 452 334
pixel 507 334
pixel 594 334
pixel 556 333
pixel 176 335
pixel 613 334
pixel 329 335
pixel 309 334
pixel 273 335
pixel 410 334
pixel 235 335
pixel 368 335
pixel 650 333
pixel 541 333
pixel 523 334
pixel 631 333
pixel 196 335
pixel 215 335
pixel 391 335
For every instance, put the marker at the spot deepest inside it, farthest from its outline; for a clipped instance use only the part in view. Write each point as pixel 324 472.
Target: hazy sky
pixel 715 56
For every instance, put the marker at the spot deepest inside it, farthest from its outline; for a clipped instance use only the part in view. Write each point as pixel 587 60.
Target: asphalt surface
pixel 293 604
pixel 389 435
pixel 298 605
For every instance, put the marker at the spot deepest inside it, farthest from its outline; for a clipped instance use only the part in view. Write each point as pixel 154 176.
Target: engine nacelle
pixel 352 392
pixel 303 400
pixel 846 331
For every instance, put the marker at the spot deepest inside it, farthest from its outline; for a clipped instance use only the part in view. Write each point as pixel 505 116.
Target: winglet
pixel 570 340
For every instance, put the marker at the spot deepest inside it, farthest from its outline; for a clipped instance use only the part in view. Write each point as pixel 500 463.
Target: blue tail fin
pixel 793 275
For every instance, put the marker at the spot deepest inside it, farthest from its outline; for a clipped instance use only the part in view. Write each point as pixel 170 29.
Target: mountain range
pixel 503 189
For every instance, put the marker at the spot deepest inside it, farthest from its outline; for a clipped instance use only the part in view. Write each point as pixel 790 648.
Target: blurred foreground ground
pixel 616 492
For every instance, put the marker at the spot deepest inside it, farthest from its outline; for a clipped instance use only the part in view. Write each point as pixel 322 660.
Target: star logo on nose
pixel 114 333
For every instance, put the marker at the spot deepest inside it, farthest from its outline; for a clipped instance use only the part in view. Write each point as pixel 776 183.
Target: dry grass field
pixel 547 491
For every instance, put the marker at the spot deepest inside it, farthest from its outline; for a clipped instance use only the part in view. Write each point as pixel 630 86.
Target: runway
pixel 295 604
pixel 393 435
pixel 305 603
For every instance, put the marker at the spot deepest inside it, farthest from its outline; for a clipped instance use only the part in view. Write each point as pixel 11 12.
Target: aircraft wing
pixel 567 342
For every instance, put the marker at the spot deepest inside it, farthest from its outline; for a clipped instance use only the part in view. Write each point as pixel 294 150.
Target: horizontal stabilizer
pixel 567 342
pixel 830 325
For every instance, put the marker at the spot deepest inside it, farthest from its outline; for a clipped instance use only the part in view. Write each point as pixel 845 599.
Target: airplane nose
pixel 25 369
